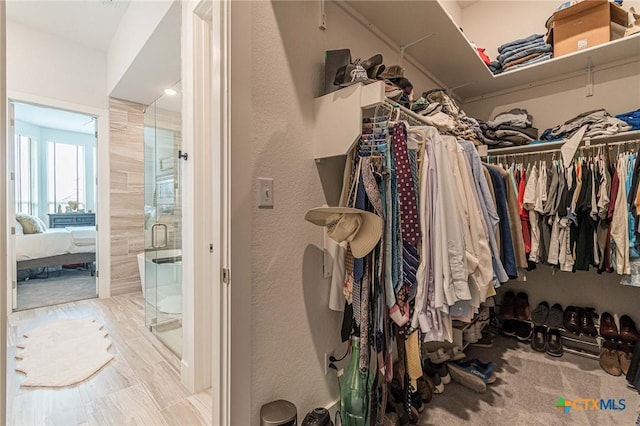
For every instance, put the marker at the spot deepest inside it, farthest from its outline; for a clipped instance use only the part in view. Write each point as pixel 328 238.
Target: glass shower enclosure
pixel 162 262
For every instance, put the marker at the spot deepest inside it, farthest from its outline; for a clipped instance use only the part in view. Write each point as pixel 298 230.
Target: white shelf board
pixel 449 56
pixel 548 146
pixel 338 117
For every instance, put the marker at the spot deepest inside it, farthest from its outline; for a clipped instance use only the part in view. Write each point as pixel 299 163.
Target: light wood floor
pixel 141 386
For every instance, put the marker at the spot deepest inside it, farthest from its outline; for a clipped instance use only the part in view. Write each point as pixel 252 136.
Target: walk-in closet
pixel 481 233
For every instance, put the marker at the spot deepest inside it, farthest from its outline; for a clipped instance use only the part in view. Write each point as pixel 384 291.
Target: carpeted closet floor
pixel 527 389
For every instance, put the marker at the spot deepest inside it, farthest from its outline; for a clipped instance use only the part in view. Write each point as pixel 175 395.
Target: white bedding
pixel 55 241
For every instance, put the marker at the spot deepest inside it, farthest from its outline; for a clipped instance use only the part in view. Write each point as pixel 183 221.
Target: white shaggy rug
pixel 63 352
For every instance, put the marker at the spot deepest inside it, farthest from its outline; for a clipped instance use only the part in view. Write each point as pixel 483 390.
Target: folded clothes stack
pixel 632 118
pixel 443 113
pixel 599 123
pixel 520 53
pixel 510 128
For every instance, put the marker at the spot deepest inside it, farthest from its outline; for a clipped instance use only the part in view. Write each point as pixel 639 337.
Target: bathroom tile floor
pixel 140 386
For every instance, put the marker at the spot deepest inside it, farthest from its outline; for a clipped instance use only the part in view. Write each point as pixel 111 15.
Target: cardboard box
pixel 587 24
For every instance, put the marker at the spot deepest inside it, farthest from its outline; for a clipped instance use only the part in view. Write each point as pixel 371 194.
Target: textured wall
pixel 127 194
pixel 277 283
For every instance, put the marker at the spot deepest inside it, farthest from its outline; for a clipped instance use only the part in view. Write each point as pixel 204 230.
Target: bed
pixel 57 246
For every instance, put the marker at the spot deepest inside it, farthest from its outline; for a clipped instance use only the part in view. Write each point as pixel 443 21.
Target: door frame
pixel 206 229
pixel 3 214
pixel 103 270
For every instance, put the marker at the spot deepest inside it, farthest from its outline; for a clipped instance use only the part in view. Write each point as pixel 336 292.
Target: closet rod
pixel 406 111
pixel 491 156
pixel 546 146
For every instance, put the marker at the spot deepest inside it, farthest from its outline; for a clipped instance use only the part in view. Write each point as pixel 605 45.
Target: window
pixel 25 175
pixel 66 176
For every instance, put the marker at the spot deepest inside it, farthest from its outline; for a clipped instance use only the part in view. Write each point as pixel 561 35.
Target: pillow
pixel 30 224
pixel 42 224
pixel 19 230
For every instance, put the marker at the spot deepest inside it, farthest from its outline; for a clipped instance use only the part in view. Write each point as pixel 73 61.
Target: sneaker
pixel 523 311
pixel 468 376
pixel 523 331
pixel 431 369
pixel 509 327
pixel 508 308
pixel 436 382
pixel 484 368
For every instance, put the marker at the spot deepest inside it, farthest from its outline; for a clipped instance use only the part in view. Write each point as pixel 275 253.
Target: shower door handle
pixel 153 235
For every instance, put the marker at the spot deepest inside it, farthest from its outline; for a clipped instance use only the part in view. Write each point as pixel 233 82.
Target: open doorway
pixel 54 241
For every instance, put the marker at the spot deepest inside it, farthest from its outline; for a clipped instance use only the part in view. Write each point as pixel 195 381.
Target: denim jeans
pixel 545 48
pixel 519 48
pixel 532 37
pixel 540 58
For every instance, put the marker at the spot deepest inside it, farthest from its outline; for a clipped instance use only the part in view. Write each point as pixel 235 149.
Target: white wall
pixel 279 296
pixel 3 215
pixel 453 9
pixel 136 26
pixel 48 66
pixel 492 23
pixel 617 90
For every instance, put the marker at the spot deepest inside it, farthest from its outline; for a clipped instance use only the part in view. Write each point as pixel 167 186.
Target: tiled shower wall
pixel 127 194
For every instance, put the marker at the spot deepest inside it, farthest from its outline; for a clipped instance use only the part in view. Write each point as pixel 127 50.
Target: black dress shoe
pixel 554 343
pixel 539 338
pixel 571 320
pixel 586 322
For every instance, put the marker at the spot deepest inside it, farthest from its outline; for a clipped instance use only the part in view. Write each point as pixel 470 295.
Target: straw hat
pixel 361 229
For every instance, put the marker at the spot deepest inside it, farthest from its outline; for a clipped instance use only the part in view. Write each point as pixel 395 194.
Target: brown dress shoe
pixel 608 328
pixel 571 322
pixel 508 308
pixel 523 310
pixel 628 330
pixel 609 359
pixel 624 356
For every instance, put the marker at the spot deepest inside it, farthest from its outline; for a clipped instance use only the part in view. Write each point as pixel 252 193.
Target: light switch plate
pixel 265 191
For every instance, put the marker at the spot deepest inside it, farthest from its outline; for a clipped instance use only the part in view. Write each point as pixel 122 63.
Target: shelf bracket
pixel 589 72
pixel 403 47
pixel 323 16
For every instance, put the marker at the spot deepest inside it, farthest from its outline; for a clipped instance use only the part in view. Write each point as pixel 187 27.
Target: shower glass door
pixel 163 220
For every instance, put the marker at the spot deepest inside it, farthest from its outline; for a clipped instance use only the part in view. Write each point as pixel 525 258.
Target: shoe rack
pixel 582 345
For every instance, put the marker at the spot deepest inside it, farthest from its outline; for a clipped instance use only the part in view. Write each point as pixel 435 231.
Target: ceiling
pixel 466 3
pixel 54 118
pixel 91 23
